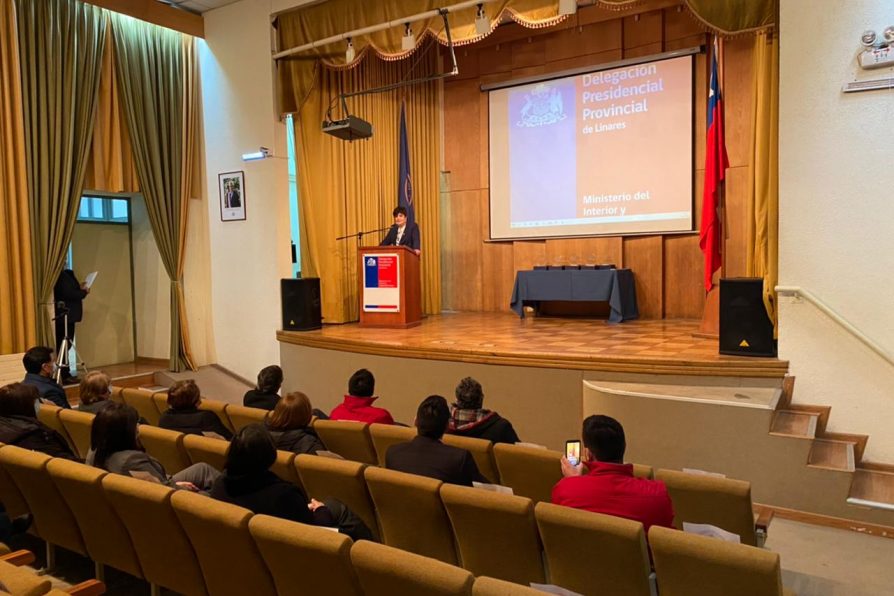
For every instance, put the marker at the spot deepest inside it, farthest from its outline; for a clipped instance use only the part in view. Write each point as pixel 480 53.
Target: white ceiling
pixel 198 6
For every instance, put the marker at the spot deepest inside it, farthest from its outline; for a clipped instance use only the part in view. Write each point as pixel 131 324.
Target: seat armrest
pixel 18 558
pixel 91 587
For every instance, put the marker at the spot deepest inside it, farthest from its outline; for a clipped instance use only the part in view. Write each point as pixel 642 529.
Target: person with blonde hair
pixel 289 425
pixel 95 392
pixel 183 413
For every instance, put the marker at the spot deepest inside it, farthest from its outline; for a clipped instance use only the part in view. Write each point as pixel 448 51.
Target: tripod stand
pixel 62 356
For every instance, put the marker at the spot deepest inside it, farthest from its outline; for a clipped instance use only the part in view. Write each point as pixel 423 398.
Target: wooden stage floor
pixel 649 346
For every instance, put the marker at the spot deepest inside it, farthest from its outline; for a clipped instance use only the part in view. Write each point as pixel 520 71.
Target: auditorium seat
pixel 166 446
pixel 53 519
pixel 643 471
pixel 483 452
pixel 219 408
pixel 721 502
pixel 160 399
pixel 529 471
pixel 141 401
pixel 284 467
pixel 22 581
pixel 78 426
pixel 387 571
pixel 105 536
pixel 622 565
pixel 115 394
pixel 165 553
pixel 324 478
pixel 10 496
pixel 49 415
pixel 230 560
pixel 385 435
pixel 411 514
pixel 303 559
pixel 496 533
pixel 206 449
pixel 692 565
pixel 240 416
pixel 350 440
pixel 489 586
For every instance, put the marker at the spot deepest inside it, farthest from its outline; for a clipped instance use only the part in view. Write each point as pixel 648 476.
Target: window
pixel 293 194
pixel 104 209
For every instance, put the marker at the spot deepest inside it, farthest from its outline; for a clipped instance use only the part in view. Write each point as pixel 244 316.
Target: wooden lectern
pixel 390 292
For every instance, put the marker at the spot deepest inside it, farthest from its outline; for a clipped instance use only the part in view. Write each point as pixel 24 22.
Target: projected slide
pixel 606 152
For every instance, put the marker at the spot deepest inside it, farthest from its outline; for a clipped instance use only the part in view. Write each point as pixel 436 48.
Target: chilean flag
pixel 716 163
pixel 404 182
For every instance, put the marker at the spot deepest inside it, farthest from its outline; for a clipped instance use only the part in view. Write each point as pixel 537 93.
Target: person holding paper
pixel 605 484
pixel 68 296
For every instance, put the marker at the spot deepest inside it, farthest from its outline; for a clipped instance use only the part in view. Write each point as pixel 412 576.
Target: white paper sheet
pixel 703 472
pixel 91 277
pixel 497 488
pixel 711 532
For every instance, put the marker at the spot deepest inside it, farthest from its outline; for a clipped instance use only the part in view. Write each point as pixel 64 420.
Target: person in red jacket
pixel 358 402
pixel 605 484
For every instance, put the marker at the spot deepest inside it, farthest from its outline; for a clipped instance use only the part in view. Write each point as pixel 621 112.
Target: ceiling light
pixel 567 7
pixel 889 34
pixel 482 23
pixel 868 38
pixel 349 53
pixel 407 42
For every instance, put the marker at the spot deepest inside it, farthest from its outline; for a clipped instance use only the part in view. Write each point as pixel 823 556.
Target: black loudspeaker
pixel 745 327
pixel 301 304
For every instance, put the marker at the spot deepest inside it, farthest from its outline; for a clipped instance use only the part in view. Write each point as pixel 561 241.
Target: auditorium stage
pixel 531 369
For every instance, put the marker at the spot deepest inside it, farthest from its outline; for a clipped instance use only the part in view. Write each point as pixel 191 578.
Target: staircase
pixel 872 484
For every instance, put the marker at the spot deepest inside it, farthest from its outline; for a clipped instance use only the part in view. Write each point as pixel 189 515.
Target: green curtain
pixel 60 50
pixel 149 63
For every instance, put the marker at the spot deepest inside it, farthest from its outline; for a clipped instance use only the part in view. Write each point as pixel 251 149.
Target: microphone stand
pixel 359 235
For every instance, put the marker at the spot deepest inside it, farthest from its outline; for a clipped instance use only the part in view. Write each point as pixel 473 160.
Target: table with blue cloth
pixel 615 286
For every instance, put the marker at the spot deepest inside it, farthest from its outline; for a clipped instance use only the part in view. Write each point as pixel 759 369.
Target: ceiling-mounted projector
pixel 349 129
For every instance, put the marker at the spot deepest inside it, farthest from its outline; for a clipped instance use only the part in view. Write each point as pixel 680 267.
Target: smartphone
pixel 572 451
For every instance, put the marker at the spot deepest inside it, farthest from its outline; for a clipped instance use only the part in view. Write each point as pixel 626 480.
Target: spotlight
pixel 349 53
pixel 263 153
pixel 407 42
pixel 889 34
pixel 482 23
pixel 868 38
pixel 567 7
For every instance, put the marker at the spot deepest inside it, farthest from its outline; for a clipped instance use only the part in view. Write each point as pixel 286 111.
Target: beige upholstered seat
pixel 105 536
pixel 12 498
pixel 240 416
pixel 387 571
pixel 691 565
pixel 141 401
pixel 496 533
pixel 78 426
pixel 49 415
pixel 350 440
pixel 483 452
pixel 206 449
pixel 488 586
pixel 115 394
pixel 23 581
pixel 219 408
pixel 229 557
pixel 721 502
pixel 529 471
pixel 160 399
pixel 411 513
pixel 622 567
pixel 166 446
pixel 385 435
pixel 304 559
pixel 643 471
pixel 284 467
pixel 54 521
pixel 324 478
pixel 165 553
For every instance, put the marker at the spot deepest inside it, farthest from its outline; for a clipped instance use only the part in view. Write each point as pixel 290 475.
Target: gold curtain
pixel 723 17
pixel 295 75
pixel 150 67
pixel 60 46
pixel 17 305
pixel 762 257
pixel 350 187
pixel 110 165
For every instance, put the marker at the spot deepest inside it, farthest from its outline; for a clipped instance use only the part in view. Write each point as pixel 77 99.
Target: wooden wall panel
pixel 668 269
pixel 735 221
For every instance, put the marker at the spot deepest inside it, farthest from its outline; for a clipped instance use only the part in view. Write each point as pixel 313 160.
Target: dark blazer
pixel 48 389
pixel 256 398
pixel 264 493
pixel 410 237
pixel 68 290
pixel 194 422
pixel 432 458
pixel 297 440
pixel 29 433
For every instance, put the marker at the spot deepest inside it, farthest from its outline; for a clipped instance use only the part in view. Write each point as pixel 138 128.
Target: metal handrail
pixel 827 310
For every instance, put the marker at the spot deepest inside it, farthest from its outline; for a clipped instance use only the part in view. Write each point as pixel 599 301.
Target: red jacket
pixel 361 410
pixel 613 490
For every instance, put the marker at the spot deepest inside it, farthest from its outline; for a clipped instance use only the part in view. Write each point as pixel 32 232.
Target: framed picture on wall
pixel 232 196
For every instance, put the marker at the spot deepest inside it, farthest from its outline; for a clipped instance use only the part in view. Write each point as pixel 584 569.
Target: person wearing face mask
pixel 40 367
